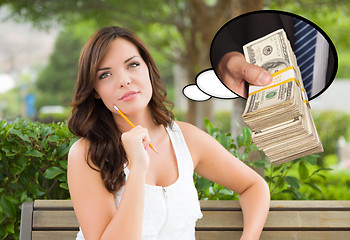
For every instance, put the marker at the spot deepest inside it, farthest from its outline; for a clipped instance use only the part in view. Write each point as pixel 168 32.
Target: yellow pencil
pixel 131 124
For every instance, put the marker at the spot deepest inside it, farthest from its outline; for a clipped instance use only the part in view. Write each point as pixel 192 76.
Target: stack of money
pixel 279 114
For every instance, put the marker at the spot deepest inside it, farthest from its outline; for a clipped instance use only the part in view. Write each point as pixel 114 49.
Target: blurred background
pixel 40 43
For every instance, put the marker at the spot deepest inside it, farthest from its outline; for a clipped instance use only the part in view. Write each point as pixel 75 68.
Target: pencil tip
pixel 154 149
pixel 115 107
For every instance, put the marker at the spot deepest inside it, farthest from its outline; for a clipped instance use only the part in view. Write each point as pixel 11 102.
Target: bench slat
pixel 218 235
pixel 275 220
pixel 281 205
pixel 54 220
pixel 54 235
pixel 219 219
pixel 275 235
pixel 53 204
pixel 306 205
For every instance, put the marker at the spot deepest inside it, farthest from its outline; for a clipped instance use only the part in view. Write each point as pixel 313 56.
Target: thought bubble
pixel 207 85
pixel 194 93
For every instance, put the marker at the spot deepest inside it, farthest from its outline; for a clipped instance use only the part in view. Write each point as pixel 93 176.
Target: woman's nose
pixel 124 80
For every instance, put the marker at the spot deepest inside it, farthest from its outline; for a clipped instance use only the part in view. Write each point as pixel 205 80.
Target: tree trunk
pixel 205 21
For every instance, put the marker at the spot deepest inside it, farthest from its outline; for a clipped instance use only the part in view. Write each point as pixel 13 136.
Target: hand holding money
pixel 235 71
pixel 279 114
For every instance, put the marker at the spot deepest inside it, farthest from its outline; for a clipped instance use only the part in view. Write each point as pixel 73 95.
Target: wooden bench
pixel 309 220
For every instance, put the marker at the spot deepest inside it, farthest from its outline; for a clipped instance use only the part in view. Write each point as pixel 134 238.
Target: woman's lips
pixel 129 96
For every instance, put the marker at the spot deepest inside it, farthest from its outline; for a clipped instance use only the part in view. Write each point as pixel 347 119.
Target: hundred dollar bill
pixel 270 52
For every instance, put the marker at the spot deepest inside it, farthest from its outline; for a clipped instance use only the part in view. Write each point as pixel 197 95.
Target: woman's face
pixel 123 78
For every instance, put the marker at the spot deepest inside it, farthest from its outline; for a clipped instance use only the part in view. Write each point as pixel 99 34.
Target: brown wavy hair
pixel 92 120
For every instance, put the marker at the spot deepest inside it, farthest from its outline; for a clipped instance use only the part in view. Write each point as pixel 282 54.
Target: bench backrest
pixel 55 219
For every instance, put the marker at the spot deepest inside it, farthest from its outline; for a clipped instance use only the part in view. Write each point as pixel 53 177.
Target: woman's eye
pixel 133 64
pixel 104 75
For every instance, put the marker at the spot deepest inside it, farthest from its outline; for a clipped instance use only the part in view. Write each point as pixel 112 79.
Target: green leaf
pixel 64 186
pixel 33 153
pixel 9 152
pixel 281 184
pixel 289 191
pixel 36 190
pixel 23 196
pixel 247 134
pixel 20 135
pixel 36 176
pixel 33 135
pixel 62 178
pixel 314 186
pixel 10 227
pixel 267 179
pixel 323 169
pixel 208 125
pixel 253 147
pixel 52 172
pixel 297 194
pixel 312 159
pixel 239 140
pixel 63 164
pixel 62 150
pixel 7 207
pixel 303 171
pixel 202 184
pixel 223 140
pixel 53 138
pixel 261 163
pixel 322 176
pixel 292 181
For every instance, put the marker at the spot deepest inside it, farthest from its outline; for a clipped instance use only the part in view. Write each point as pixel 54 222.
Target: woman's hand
pixel 135 143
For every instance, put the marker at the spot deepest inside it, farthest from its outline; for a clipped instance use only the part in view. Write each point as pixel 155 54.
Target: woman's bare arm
pixel 214 162
pixel 95 207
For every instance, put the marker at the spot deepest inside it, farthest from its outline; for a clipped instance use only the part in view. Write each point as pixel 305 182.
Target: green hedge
pixel 33 163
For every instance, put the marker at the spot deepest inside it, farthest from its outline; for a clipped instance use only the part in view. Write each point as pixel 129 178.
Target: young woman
pixel 120 187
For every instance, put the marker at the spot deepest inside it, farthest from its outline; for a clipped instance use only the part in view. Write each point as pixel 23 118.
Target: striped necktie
pixel 305 45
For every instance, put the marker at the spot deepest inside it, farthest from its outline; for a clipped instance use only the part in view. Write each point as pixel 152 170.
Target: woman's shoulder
pixel 80 147
pixel 195 139
pixel 190 131
pixel 187 129
pixel 78 153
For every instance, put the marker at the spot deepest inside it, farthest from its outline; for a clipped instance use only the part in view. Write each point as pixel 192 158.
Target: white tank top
pixel 171 212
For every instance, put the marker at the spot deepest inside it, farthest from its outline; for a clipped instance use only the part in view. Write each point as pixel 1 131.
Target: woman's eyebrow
pixel 127 60
pixel 101 69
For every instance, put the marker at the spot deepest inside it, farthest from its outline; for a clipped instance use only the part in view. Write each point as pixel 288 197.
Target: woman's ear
pixel 97 96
